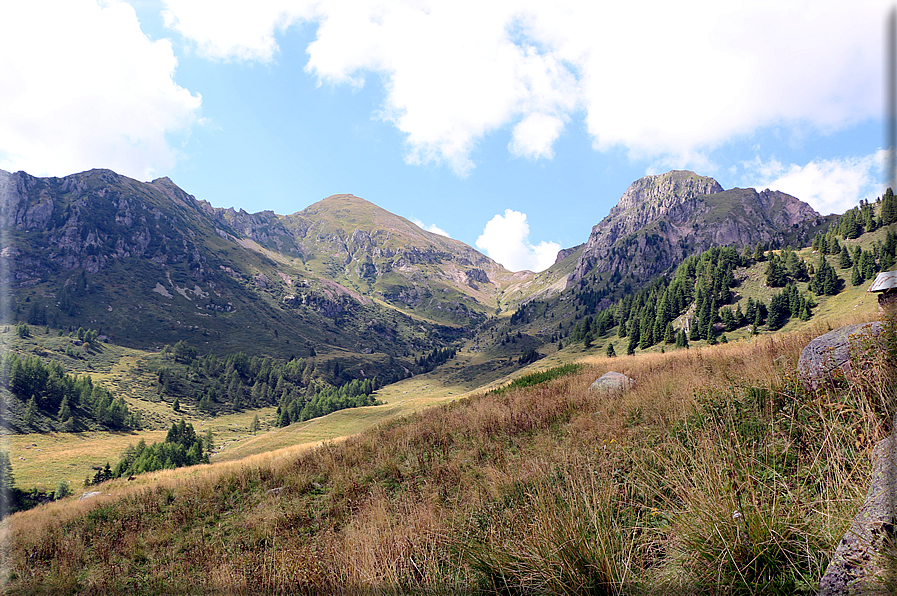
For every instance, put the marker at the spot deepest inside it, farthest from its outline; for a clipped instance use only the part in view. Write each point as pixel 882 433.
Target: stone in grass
pixel 860 565
pixel 89 495
pixel 828 357
pixel 611 382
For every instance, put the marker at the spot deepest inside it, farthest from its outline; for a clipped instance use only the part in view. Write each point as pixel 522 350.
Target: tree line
pixel 181 447
pixel 47 390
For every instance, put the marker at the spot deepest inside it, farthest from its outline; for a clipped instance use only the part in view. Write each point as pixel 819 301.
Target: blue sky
pixel 513 126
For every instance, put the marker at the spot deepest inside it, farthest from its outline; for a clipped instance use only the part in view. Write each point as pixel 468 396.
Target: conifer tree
pixel 845 261
pixel 30 412
pixel 759 253
pixel 888 213
pixel 64 410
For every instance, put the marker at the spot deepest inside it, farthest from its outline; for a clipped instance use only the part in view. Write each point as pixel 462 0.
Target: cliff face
pixel 660 220
pixel 92 219
pixel 94 243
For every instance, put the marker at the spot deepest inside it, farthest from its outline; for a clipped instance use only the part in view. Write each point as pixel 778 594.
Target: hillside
pixel 456 481
pixel 148 265
pixel 550 489
pixel 353 242
pixel 660 220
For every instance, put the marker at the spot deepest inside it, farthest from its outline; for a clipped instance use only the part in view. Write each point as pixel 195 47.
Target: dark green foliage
pixel 844 260
pixel 51 392
pixel 182 447
pixel 610 352
pixel 7 484
pixel 888 213
pixel 760 253
pixel 826 281
pixel 539 377
pixel 433 359
pixel 786 305
pixel 238 381
pixel 776 275
pixel 529 357
pixel 327 399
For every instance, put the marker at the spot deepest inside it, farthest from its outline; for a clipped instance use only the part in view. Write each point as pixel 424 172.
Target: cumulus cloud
pixel 668 82
pixel 506 240
pixel 232 31
pixel 83 87
pixel 828 185
pixel 431 228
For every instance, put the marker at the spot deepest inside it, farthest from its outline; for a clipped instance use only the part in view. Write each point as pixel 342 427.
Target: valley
pixel 337 367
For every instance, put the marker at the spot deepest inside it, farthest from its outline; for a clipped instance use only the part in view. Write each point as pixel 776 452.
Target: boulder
pixel 828 357
pixel 89 495
pixel 611 382
pixel 856 567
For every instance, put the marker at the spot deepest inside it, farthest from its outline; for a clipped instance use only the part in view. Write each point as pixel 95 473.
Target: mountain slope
pixel 148 264
pixel 662 219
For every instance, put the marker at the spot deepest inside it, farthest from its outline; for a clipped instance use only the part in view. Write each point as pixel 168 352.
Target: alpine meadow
pixel 203 400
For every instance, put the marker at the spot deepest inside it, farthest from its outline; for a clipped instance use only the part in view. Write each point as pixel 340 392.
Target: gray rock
pixel 89 495
pixel 828 357
pixel 611 382
pixel 274 492
pixel 856 567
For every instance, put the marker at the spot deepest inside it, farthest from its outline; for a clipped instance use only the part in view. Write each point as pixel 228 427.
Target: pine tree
pixel 888 213
pixel 611 352
pixel 30 412
pixel 64 410
pixel 254 425
pixel 845 260
pixel 759 253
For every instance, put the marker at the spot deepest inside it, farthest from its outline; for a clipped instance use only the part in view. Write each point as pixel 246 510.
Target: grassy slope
pixel 465 375
pixel 440 499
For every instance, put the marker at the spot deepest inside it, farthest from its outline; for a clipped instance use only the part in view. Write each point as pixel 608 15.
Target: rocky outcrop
pixel 612 382
pixel 829 357
pixel 661 220
pixel 858 566
pixel 91 219
pixel 565 252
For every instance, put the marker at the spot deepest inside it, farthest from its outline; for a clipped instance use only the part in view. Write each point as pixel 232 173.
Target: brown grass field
pixel 551 489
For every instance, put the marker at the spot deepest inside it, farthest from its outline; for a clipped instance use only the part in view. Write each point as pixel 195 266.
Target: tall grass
pixel 718 472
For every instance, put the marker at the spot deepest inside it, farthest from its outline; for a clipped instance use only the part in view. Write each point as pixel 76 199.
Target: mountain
pixel 660 220
pixel 381 255
pixel 148 264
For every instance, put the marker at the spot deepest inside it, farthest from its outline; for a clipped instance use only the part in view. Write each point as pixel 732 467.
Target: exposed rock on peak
pixel 653 195
pixel 660 220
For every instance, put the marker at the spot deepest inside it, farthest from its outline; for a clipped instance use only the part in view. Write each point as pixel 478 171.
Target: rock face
pixel 660 220
pixel 828 357
pixel 611 382
pixel 855 567
pixel 92 219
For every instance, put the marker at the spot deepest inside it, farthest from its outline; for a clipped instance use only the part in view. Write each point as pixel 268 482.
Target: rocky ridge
pixel 662 219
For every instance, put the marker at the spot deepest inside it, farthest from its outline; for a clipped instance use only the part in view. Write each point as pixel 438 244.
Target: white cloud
pixel 234 31
pixel 506 240
pixel 431 228
pixel 828 185
pixel 667 81
pixel 83 87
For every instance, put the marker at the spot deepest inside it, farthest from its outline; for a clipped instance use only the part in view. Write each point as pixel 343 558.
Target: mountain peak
pixel 664 190
pixel 663 218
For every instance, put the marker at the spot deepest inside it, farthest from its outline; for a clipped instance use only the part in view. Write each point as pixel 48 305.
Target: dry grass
pixel 550 489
